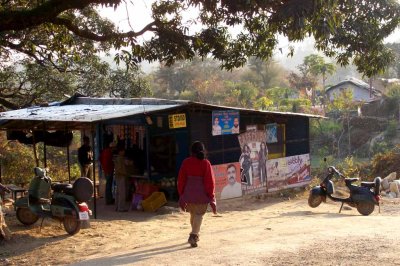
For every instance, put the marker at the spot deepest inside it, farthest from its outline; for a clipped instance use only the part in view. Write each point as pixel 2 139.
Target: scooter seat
pixel 44 201
pixel 62 188
pixel 368 184
pixel 350 180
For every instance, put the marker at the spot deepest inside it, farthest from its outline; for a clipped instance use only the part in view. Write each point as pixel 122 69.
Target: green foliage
pixel 241 94
pixel 349 167
pixel 325 127
pixel 60 32
pixel 380 147
pixel 316 65
pixel 393 91
pixel 29 84
pixel 386 162
pixel 391 130
pixel 395 64
pixel 17 163
pixel 342 102
pixel 263 103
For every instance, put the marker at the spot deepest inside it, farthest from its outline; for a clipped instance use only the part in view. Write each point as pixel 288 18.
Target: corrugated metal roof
pixel 81 112
pixel 256 111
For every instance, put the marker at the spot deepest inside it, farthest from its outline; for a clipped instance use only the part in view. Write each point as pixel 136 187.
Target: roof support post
pixel 44 145
pixel 68 159
pixel 94 171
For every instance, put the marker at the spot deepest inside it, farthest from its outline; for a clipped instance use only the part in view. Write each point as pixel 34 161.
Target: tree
pixel 242 94
pixel 264 73
pixel 395 65
pixel 27 84
pixel 55 32
pixel 317 66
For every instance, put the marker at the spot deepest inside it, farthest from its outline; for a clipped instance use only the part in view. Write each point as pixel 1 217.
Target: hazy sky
pixel 136 16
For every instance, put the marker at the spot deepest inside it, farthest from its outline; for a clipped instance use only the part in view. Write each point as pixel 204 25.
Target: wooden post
pixel 44 145
pixel 68 159
pixel 34 149
pixel 94 174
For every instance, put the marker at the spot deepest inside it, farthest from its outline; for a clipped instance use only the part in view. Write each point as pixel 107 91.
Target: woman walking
pixel 196 188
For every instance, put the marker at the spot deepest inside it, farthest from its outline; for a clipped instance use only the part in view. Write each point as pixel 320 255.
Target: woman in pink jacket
pixel 196 188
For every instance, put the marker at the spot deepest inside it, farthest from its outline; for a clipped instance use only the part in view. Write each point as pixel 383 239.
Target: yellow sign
pixel 177 120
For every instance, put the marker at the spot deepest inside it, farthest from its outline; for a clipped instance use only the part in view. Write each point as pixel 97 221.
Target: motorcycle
pixel 363 197
pixel 63 202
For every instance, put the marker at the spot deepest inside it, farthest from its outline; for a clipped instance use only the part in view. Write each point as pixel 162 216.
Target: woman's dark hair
pixel 198 150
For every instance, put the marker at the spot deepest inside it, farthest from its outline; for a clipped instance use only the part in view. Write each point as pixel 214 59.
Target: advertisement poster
pixel 272 133
pixel 225 122
pixel 227 181
pixel 253 161
pixel 288 172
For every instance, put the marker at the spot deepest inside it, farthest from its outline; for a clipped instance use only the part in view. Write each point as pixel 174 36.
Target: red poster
pixel 227 180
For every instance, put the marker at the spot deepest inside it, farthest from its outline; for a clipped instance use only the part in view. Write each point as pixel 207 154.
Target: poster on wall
pixel 288 172
pixel 225 122
pixel 253 161
pixel 272 133
pixel 227 180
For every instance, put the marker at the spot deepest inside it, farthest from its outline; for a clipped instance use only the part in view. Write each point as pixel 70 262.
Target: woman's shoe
pixel 193 239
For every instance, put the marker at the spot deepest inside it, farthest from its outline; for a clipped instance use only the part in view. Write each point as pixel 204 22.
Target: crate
pixel 154 202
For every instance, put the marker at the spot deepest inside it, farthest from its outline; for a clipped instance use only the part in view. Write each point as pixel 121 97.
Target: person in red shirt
pixel 107 164
pixel 196 188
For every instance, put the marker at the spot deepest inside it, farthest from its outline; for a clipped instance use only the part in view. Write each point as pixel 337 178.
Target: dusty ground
pixel 250 231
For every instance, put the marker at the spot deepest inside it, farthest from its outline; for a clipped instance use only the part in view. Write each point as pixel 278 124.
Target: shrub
pixel 391 129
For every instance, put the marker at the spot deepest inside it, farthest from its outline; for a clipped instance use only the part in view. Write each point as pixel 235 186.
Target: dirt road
pixel 248 231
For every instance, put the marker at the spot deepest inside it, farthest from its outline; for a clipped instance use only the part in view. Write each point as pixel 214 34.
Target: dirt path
pixel 251 231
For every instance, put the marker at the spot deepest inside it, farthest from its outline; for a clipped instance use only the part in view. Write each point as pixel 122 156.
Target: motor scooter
pixel 64 202
pixel 363 197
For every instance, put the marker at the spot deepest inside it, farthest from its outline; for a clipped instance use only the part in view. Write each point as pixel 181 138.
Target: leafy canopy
pixel 56 32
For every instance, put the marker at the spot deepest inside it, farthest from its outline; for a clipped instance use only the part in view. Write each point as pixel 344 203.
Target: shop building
pixel 251 151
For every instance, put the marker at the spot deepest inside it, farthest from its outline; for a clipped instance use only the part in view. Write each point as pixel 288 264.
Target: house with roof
pixel 361 90
pixel 277 143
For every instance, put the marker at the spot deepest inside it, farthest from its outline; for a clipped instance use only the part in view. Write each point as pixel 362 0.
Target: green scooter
pixel 64 202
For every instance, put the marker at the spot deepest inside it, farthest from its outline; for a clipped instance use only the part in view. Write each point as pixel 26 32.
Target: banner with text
pixel 288 172
pixel 225 122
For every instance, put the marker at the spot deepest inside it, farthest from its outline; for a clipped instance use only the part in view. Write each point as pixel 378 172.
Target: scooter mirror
pixel 330 170
pixel 325 159
pixel 39 172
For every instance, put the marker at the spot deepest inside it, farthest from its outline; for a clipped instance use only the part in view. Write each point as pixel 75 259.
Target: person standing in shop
pixel 196 188
pixel 107 165
pixel 85 158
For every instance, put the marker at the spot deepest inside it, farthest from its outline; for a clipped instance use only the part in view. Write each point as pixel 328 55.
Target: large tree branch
pixel 23 19
pixel 8 104
pixel 100 38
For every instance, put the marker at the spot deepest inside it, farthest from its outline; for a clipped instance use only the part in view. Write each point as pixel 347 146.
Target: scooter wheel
pixel 71 225
pixel 26 216
pixel 314 200
pixel 365 208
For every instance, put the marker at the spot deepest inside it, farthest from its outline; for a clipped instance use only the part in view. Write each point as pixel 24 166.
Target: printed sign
pixel 177 120
pixel 227 180
pixel 225 122
pixel 253 161
pixel 293 171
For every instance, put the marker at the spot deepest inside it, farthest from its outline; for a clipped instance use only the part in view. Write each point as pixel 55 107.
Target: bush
pixel 17 163
pixel 391 130
pixel 385 163
pixel 380 147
